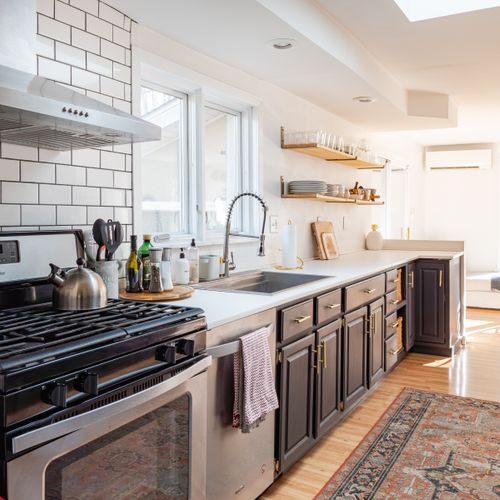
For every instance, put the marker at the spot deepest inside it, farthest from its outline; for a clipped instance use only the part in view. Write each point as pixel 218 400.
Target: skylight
pixel 419 10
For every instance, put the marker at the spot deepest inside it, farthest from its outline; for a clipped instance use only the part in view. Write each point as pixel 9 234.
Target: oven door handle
pixel 73 424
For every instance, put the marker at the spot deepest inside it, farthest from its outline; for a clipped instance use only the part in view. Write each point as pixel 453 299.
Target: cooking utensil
pixel 115 230
pixel 100 234
pixel 79 289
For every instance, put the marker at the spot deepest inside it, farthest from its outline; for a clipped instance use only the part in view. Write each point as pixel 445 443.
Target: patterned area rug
pixel 426 446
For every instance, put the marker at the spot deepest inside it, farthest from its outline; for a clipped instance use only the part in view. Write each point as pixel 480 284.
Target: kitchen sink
pixel 262 282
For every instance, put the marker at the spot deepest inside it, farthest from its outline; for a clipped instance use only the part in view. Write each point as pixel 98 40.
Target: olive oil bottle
pixel 134 268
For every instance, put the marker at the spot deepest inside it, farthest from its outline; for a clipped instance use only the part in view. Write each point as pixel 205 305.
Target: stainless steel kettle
pixel 79 289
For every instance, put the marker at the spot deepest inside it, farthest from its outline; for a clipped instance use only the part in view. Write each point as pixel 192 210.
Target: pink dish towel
pixel 254 389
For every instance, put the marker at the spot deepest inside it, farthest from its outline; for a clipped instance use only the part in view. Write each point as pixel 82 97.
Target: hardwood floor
pixel 474 372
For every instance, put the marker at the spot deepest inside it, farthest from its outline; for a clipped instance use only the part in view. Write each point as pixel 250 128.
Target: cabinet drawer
pixel 391 352
pixel 364 292
pixel 328 306
pixel 296 320
pixel 391 302
pixel 391 323
pixel 391 280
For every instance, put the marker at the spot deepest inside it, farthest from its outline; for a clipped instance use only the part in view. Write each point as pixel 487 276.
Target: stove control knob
pixel 166 353
pixel 87 383
pixel 55 394
pixel 185 346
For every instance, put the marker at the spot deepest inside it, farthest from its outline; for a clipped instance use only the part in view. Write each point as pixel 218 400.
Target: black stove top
pixel 38 334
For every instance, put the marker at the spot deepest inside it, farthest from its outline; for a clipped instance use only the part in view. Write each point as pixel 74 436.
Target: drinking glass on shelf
pixel 340 144
pixel 313 137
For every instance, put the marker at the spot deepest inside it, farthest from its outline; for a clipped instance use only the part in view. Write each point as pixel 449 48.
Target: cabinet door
pixel 376 341
pixel 296 400
pixel 355 356
pixel 328 377
pixel 410 307
pixel 430 319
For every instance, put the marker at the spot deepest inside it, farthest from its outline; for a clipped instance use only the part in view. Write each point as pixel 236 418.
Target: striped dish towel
pixel 254 390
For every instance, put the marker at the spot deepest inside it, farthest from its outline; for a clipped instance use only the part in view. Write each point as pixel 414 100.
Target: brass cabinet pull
pixel 301 319
pixel 395 280
pixel 393 352
pixel 324 355
pixel 332 306
pixel 394 325
pixel 370 290
pixel 412 282
pixel 318 358
pixel 394 302
pixel 440 279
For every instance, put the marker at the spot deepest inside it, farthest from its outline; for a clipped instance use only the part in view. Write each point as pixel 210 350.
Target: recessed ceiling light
pixel 282 43
pixel 365 99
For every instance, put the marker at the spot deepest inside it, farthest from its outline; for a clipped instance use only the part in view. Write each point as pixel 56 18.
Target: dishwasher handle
pixel 220 351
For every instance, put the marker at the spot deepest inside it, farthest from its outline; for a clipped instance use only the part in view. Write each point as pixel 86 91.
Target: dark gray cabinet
pixel 328 377
pixel 355 356
pixel 296 400
pixel 376 341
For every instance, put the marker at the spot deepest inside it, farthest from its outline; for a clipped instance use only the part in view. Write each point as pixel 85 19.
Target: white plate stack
pixel 297 187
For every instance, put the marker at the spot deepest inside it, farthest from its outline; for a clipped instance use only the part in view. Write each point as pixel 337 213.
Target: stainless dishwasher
pixel 238 465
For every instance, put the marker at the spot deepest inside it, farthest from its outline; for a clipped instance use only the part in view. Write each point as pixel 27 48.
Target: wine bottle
pixel 134 268
pixel 146 261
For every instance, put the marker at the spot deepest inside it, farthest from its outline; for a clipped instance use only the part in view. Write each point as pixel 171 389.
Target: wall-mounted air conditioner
pixel 459 156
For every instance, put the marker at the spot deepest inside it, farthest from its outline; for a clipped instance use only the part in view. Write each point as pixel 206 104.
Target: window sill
pixel 185 242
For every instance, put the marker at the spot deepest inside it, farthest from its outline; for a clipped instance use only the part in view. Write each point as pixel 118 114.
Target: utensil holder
pixel 108 270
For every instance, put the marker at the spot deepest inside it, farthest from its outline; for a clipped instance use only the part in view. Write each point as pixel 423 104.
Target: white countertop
pixel 223 307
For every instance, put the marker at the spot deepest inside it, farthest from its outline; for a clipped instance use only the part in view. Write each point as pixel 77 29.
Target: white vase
pixel 374 239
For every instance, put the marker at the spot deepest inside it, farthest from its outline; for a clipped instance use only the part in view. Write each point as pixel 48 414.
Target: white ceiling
pixel 346 48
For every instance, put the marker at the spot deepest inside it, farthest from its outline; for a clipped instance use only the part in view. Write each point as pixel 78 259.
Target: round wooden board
pixel 178 293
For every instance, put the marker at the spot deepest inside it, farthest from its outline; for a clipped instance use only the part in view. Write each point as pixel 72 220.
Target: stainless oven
pixel 151 444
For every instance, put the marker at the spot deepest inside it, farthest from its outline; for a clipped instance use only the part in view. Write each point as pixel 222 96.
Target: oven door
pixel 149 445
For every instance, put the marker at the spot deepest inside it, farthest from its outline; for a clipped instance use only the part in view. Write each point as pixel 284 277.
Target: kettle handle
pixel 55 275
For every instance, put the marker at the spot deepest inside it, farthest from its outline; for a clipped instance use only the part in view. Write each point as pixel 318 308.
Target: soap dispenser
pixel 182 269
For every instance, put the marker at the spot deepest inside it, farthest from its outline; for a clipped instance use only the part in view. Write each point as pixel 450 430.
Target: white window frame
pixel 149 69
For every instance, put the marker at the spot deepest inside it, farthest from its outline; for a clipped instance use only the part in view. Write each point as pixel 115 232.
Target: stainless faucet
pixel 261 253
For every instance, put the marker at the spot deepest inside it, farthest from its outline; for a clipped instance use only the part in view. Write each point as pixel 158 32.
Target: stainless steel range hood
pixel 37 112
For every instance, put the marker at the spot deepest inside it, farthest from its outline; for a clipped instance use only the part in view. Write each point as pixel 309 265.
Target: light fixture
pixel 364 99
pixel 282 43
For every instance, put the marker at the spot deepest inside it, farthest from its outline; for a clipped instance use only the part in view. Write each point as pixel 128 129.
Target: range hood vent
pixel 37 112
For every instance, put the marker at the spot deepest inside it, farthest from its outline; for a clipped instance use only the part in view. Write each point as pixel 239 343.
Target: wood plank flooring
pixel 474 372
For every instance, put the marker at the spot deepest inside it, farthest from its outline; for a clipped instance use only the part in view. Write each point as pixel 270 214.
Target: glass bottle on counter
pixel 194 263
pixel 146 261
pixel 134 268
pixel 155 285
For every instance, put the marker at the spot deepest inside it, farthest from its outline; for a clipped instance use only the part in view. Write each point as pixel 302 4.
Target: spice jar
pixel 155 285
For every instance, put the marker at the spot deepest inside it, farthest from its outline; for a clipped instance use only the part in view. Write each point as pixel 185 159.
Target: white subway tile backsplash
pixel 19 192
pixel 54 70
pixel 85 79
pixel 51 156
pixel 113 51
pixel 128 57
pixel 99 64
pixel 86 195
pixel 86 157
pixel 123 180
pixel 19 152
pixel 9 170
pixel 112 15
pixel 10 215
pixel 45 7
pixel 69 15
pixel 123 214
pixel 128 23
pixel 53 29
pixel 45 46
pixel 38 172
pixel 70 55
pixel 112 197
pixel 94 213
pixel 66 174
pixel 128 198
pixel 53 194
pixel 121 72
pixel 91 6
pixel 99 27
pixel 128 163
pixel 128 92
pixel 111 160
pixel 112 87
pixel 99 177
pixel 123 148
pixel 84 40
pixel 121 37
pixel 38 214
pixel 71 215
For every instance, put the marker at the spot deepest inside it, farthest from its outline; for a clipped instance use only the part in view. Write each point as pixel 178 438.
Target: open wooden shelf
pixel 322 197
pixel 329 154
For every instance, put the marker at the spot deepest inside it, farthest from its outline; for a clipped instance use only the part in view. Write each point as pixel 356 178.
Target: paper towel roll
pixel 289 244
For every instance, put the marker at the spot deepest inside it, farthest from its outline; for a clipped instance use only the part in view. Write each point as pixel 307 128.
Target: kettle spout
pixel 55 276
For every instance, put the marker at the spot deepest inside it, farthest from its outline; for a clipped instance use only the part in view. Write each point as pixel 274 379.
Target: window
pixel 164 163
pixel 206 156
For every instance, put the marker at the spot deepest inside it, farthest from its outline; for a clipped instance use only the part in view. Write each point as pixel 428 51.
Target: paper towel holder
pixel 299 266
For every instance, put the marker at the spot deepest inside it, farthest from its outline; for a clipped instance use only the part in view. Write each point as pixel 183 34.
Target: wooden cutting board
pixel 178 293
pixel 318 228
pixel 329 245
